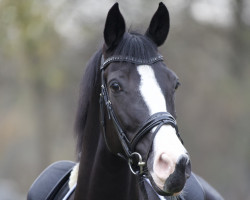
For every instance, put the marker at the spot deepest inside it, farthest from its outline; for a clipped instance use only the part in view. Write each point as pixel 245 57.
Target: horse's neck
pixel 105 176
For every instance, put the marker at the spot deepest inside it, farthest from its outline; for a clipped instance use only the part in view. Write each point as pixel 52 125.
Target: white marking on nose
pixel 150 90
pixel 166 146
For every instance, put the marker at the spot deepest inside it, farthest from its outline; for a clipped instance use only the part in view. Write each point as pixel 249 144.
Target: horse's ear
pixel 159 25
pixel 114 27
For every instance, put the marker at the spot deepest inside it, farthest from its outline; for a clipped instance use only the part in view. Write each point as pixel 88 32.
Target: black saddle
pixel 52 183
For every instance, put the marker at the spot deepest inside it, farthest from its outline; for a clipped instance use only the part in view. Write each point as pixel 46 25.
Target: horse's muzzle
pixel 176 181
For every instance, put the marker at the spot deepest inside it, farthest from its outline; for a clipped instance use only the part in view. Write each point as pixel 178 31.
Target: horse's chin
pixel 161 186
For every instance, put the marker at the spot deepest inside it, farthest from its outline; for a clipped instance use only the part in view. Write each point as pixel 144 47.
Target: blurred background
pixel 44 47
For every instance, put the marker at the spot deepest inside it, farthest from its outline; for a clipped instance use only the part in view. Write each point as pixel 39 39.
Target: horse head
pixel 137 103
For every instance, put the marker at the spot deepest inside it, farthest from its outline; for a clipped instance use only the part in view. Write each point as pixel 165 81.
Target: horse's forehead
pixel 127 71
pixel 121 68
pixel 150 90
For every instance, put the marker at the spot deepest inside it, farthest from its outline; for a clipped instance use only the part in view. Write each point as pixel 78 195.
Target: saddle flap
pixel 50 180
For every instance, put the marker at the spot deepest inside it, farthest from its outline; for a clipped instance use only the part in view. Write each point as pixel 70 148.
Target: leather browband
pixel 130 60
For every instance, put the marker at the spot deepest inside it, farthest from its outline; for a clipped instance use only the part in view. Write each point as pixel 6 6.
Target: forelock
pixel 136 45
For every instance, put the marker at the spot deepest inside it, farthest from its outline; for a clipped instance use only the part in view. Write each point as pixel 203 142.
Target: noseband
pixel 156 120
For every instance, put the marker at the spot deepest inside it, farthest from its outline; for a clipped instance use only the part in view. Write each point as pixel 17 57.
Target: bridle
pixel 156 120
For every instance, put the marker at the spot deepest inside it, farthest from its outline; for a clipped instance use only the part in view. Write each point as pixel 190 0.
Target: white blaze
pixel 150 90
pixel 166 145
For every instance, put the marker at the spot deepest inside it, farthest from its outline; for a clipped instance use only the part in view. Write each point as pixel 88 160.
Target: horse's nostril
pixel 164 160
pixel 184 165
pixel 177 179
pixel 163 166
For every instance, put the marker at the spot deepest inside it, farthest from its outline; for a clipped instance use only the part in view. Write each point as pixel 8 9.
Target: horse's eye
pixel 177 85
pixel 115 87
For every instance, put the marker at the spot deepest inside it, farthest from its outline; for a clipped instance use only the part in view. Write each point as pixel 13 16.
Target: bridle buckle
pixel 140 164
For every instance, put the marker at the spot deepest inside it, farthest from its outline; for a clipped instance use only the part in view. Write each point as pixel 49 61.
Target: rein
pixel 156 120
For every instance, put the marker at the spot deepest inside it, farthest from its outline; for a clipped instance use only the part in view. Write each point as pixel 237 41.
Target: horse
pixel 128 143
